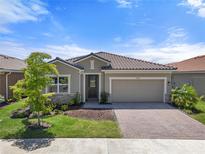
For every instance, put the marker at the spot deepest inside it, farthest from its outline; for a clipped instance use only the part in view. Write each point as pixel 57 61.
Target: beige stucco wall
pixel 12 79
pixel 2 85
pixel 75 76
pixel 195 79
pixel 167 75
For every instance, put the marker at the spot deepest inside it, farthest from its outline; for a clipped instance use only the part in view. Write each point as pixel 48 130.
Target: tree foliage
pixel 36 78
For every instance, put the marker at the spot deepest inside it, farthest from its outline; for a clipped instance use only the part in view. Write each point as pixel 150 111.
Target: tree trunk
pixel 39 120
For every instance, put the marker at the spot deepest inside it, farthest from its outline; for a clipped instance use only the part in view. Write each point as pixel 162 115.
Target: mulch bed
pixel 3 104
pixel 93 114
pixel 43 125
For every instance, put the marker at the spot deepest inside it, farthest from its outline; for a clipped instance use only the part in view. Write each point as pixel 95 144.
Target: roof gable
pixel 89 56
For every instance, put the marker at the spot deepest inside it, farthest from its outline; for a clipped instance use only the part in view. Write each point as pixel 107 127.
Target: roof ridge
pixel 196 57
pixel 6 56
pixel 135 59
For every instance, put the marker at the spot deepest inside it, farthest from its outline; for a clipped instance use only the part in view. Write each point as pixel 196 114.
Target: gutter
pixel 10 70
pixel 7 85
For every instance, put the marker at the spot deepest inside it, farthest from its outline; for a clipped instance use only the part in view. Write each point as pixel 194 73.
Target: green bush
pixel 64 107
pixel 75 100
pixel 104 97
pixel 185 97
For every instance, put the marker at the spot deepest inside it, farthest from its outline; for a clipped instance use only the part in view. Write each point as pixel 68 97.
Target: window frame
pixel 58 83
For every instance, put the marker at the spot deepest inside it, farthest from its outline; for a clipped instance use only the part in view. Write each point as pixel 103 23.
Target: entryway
pixel 92 87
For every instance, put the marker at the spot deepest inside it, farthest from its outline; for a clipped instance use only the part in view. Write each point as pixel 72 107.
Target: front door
pixel 92 87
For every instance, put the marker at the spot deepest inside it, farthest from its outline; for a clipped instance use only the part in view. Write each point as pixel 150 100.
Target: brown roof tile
pixel 192 64
pixel 119 62
pixel 11 63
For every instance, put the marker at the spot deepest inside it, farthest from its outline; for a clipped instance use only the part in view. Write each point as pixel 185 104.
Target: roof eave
pixel 65 62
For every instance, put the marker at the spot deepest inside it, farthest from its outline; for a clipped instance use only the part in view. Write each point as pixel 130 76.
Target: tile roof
pixel 118 62
pixel 67 62
pixel 11 63
pixel 192 64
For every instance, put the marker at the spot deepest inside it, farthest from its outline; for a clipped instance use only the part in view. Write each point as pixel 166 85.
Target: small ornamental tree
pixel 185 96
pixel 36 78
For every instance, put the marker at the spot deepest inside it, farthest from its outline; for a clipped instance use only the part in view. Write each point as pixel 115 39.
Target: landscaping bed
pixel 93 114
pixel 60 125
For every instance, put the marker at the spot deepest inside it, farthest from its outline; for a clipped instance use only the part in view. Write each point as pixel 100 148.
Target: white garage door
pixel 137 90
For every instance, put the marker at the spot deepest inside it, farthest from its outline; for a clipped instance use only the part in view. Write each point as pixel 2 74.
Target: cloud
pixel 196 7
pixel 14 11
pixel 173 48
pixel 127 3
pixel 65 51
pixel 22 51
pixel 133 43
pixel 169 53
pixel 176 34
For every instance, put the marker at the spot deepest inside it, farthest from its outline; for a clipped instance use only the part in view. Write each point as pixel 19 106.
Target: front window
pixel 60 84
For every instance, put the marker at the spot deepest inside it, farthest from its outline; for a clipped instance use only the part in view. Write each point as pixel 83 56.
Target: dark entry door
pixel 92 87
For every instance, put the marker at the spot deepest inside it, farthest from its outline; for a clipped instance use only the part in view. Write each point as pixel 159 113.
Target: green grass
pixel 200 106
pixel 62 126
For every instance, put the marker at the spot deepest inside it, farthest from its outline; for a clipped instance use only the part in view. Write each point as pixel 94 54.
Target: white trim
pixel 10 70
pixel 79 60
pixel 188 72
pixel 83 87
pixel 140 78
pixel 69 83
pixel 99 84
pixel 79 83
pixel 56 60
pixel 137 71
pixel 7 85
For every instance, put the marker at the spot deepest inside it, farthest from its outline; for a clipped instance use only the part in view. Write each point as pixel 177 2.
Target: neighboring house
pixel 10 72
pixel 125 79
pixel 190 71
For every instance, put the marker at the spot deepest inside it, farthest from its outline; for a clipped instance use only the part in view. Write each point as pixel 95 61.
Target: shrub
pixel 64 107
pixel 75 100
pixel 104 97
pixel 184 97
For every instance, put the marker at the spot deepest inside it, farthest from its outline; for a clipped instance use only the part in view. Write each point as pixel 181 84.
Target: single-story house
pixel 125 79
pixel 190 71
pixel 10 72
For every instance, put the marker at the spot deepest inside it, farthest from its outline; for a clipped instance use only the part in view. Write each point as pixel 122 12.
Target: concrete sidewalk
pixel 101 146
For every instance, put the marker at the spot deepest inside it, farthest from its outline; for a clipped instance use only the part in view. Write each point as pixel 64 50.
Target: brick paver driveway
pixel 156 121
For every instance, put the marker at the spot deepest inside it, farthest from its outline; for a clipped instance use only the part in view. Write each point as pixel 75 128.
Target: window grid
pixel 58 84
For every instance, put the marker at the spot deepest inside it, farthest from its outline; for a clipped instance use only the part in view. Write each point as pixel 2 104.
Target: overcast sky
pixel 160 31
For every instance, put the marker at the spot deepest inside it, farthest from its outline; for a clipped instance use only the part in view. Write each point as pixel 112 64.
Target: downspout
pixel 7 85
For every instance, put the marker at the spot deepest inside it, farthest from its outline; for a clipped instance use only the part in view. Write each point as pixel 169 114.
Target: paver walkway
pixel 156 121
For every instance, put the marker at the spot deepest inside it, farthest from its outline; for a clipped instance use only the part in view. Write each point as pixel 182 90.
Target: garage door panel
pixel 137 90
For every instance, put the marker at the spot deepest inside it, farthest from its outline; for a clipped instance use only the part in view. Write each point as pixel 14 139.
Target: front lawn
pixel 62 126
pixel 200 116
